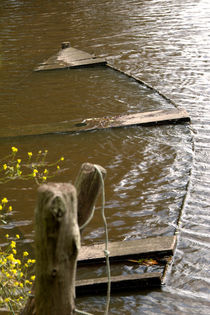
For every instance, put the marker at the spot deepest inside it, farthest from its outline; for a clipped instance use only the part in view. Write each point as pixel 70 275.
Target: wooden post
pixel 57 234
pixel 88 187
pixel 57 241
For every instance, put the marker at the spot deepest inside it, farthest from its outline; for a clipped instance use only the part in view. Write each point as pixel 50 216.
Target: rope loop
pixel 106 251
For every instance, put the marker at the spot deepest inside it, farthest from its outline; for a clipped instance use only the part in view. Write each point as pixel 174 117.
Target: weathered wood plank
pixel 70 57
pixel 119 283
pixel 119 251
pixel 141 119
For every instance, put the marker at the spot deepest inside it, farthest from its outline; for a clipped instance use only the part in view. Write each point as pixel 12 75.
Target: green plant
pixel 16 269
pixel 16 282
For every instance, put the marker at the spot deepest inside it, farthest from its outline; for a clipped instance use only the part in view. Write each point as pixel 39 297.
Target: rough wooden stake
pixel 57 241
pixel 88 187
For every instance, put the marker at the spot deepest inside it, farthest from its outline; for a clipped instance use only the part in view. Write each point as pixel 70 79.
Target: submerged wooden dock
pixel 137 119
pixel 119 251
pixel 158 247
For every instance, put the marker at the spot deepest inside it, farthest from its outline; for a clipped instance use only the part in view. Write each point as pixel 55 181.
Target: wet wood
pixel 57 242
pixel 69 57
pixel 119 283
pixel 88 186
pixel 119 251
pixel 137 119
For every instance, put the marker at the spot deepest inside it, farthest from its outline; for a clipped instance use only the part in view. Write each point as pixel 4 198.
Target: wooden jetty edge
pixel 69 57
pixel 137 119
pixel 119 251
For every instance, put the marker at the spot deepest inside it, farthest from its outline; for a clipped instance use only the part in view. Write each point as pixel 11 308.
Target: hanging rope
pixel 106 251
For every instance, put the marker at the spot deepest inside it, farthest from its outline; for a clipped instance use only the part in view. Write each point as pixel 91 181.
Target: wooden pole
pixel 88 185
pixel 52 196
pixel 57 241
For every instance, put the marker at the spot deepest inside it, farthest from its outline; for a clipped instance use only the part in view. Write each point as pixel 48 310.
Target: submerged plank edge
pixel 119 283
pixel 90 124
pixel 161 245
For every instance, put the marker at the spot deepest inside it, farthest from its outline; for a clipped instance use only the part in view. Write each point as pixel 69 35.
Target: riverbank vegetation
pixel 16 267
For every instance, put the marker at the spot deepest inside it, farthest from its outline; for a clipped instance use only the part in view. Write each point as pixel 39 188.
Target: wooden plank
pixel 119 251
pixel 119 283
pixel 70 57
pixel 141 119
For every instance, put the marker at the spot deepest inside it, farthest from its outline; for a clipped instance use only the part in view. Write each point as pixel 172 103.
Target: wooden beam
pixel 119 283
pixel 119 251
pixel 152 118
pixel 69 57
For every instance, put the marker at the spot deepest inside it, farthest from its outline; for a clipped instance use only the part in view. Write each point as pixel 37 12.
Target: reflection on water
pixel 153 173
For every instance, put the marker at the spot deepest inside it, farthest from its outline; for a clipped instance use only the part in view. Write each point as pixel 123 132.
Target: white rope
pixel 106 252
pixel 88 220
pixel 81 312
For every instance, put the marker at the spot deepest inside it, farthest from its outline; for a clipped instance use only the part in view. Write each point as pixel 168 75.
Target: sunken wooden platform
pixel 119 251
pixel 123 252
pixel 69 57
pixel 141 119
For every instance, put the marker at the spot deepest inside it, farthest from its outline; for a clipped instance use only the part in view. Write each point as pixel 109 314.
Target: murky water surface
pixel 154 173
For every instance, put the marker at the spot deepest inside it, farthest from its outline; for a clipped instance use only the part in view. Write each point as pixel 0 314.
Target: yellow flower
pixel 30 154
pixel 11 258
pixel 17 236
pixel 14 149
pixel 58 167
pixel 10 208
pixel 33 278
pixel 7 235
pixel 26 282
pixel 14 271
pixel 14 251
pixel 6 300
pixel 45 151
pixel 4 200
pixel 18 261
pixel 1 207
pixel 20 285
pixel 44 178
pixel 45 171
pixel 19 161
pixel 33 261
pixel 5 167
pixel 40 151
pixel 25 254
pixel 35 171
pixel 62 158
pixel 13 244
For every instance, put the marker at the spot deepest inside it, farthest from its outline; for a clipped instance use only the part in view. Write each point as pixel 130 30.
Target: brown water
pixel 154 173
